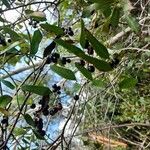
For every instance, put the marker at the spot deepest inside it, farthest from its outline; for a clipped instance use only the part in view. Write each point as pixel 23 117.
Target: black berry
pixel 54 59
pixel 9 41
pixel 53 111
pixel 68 60
pixel 70 33
pixel 58 92
pixel 59 106
pixel 63 60
pixel 76 97
pixel 90 50
pixel 114 63
pixel 42 132
pixel 91 68
pixel 56 55
pixel 45 112
pixel 82 62
pixel 33 106
pixel 48 61
pixel 4 121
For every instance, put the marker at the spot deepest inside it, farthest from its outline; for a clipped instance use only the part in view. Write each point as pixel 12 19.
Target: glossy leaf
pixel 71 48
pixel 128 83
pixel 82 36
pixel 5 100
pixel 14 36
pixel 63 72
pixel 52 28
pixel 99 48
pixel 40 90
pixel 8 84
pixel 99 64
pixel 133 24
pixel 29 120
pixel 36 39
pixel 84 71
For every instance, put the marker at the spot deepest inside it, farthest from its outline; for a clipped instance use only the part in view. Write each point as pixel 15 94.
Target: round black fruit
pixel 76 97
pixel 33 106
pixel 91 68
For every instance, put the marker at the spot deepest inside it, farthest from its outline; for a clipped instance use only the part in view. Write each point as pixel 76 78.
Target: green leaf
pixel 52 28
pixel 133 24
pixel 63 72
pixel 10 48
pixel 29 120
pixel 37 15
pixel 84 71
pixel 98 83
pixel 103 4
pixel 40 90
pixel 8 84
pixel 71 48
pixel 99 48
pixel 82 36
pixel 114 20
pixel 99 64
pixel 19 131
pixel 36 39
pixel 14 36
pixel 128 83
pixel 5 100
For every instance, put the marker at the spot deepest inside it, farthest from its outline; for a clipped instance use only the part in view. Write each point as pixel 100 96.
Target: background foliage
pixel 74 74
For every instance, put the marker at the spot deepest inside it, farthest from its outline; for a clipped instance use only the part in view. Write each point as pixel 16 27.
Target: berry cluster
pixel 4 121
pixel 68 31
pixel 65 60
pixel 33 23
pixel 55 109
pixel 56 89
pixel 53 58
pixel 39 125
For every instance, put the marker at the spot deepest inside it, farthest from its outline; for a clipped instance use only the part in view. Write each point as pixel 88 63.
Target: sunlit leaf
pixel 36 39
pixel 52 28
pixel 99 48
pixel 38 15
pixel 63 72
pixel 40 90
pixel 133 24
pixel 84 71
pixel 19 131
pixel 5 100
pixel 29 120
pixel 128 83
